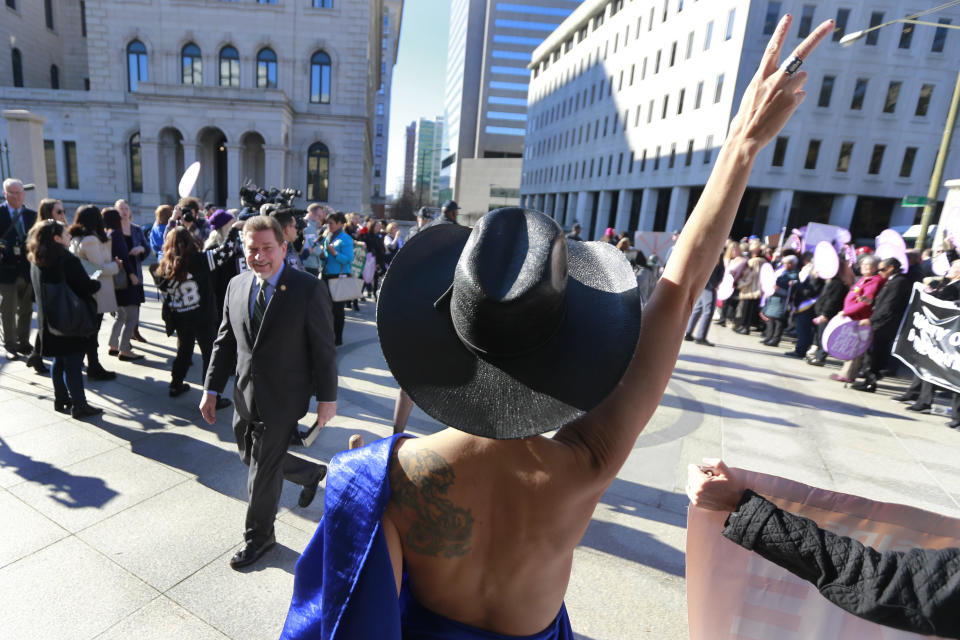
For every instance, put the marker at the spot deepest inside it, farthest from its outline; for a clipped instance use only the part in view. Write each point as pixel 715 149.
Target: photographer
pixel 338 252
pixel 187 213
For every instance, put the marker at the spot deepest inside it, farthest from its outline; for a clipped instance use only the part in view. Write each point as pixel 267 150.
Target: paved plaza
pixel 122 527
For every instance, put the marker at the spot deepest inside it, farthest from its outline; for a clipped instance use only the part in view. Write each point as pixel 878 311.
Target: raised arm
pixel 607 434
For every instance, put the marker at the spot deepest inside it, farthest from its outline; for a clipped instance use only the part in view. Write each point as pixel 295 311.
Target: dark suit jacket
pixel 11 265
pixel 293 357
pixel 889 306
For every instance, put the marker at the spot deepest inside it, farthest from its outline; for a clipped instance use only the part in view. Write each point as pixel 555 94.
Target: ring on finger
pixel 792 65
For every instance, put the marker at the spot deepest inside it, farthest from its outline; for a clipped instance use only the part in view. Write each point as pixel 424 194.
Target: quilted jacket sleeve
pixel 917 590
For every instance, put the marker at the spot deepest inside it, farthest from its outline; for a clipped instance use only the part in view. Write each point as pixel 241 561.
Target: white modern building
pixel 288 93
pixel 490 45
pixel 630 100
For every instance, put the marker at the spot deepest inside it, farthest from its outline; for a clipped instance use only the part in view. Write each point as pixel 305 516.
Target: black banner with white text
pixel 929 339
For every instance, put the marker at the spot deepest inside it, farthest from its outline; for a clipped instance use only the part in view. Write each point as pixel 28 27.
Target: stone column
pixel 27 160
pixel 274 158
pixel 648 209
pixel 234 170
pixel 841 212
pixel 779 212
pixel 624 203
pixel 150 169
pixel 584 204
pixel 677 211
pixel 603 213
pixel 551 205
pixel 570 209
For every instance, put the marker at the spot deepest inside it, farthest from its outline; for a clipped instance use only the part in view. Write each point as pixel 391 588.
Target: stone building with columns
pixel 285 93
pixel 629 102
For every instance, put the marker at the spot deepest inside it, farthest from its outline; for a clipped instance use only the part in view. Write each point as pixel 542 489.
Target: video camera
pixel 256 201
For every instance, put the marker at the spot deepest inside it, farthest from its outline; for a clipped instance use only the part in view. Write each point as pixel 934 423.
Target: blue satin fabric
pixel 344 587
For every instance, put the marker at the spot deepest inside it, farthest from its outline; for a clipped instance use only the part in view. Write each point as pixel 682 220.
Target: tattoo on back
pixel 419 481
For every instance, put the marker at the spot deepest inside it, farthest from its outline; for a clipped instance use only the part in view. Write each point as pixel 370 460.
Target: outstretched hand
pixel 773 95
pixel 713 485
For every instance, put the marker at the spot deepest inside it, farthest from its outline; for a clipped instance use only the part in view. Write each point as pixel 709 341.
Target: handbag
pixel 345 288
pixel 65 313
pixel 120 280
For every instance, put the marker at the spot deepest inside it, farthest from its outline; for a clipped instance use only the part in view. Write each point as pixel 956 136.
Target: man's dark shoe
pixel 865 385
pixel 62 407
pixel 905 397
pixel 99 373
pixel 222 403
pixel 816 362
pixel 86 411
pixel 178 389
pixel 742 331
pixel 919 408
pixel 793 354
pixel 688 337
pixel 36 362
pixel 704 342
pixel 954 424
pixel 310 490
pixel 251 552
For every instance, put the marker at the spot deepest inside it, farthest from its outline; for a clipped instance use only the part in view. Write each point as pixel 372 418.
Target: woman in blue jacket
pixel 338 255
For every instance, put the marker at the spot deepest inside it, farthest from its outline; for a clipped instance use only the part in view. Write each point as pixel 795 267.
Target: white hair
pixel 11 182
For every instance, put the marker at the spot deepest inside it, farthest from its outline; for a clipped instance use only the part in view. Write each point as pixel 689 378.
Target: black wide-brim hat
pixel 508 330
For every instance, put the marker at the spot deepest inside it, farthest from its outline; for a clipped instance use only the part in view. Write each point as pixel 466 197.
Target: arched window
pixel 318 172
pixel 136 65
pixel 136 167
pixel 17 68
pixel 266 69
pixel 54 76
pixel 229 67
pixel 320 78
pixel 191 65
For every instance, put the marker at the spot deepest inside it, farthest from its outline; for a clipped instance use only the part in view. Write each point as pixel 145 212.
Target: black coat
pixel 68 267
pixel 916 590
pixel 13 251
pixel 889 306
pixel 830 302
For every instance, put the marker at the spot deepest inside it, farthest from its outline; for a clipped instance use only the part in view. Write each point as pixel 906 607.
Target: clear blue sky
pixel 418 78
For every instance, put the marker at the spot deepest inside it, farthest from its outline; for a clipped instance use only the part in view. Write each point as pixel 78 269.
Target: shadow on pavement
pixel 634 545
pixel 734 364
pixel 71 491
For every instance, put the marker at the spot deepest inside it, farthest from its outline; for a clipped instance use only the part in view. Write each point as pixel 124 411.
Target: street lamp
pixel 944 151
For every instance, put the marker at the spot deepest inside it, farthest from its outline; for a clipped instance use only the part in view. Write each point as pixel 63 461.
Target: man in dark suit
pixel 888 309
pixel 277 337
pixel 16 293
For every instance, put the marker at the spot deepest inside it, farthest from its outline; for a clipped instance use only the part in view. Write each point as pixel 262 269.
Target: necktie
pixel 18 225
pixel 259 308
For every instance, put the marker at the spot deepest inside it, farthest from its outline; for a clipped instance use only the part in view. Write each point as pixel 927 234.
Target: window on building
pixel 650 22
pixel 191 65
pixel 699 96
pixel 683 94
pixel 940 36
pixel 673 156
pixel 136 65
pixel 813 153
pixel 840 24
pixel 708 36
pixel 48 13
pixel 643 161
pixel 379 108
pixel 666 6
pixel 378 149
pixel 780 151
pixel 826 91
pixel 650 113
pixel 320 78
pixel 266 69
pixel 656 159
pixel 843 160
pixel 859 92
pixel 893 94
pixel 906 36
pixel 70 164
pixel 267 1
pixel 643 70
pixel 656 63
pixel 708 151
pixel 673 53
pixel 17 61
pixel 54 76
pixel 328 4
pixel 772 17
pixel 633 70
pixel 906 167
pixel 689 157
pixel 876 159
pixel 718 92
pixel 689 46
pixel 12 4
pixel 666 104
pixel 923 102
pixel 731 17
pixel 806 20
pixel 50 158
pixel 136 166
pixel 876 18
pixel 318 172
pixel 229 67
pixel 83 18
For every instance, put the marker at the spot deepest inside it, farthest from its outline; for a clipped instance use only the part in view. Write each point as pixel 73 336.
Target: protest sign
pixel 929 339
pixel 733 593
